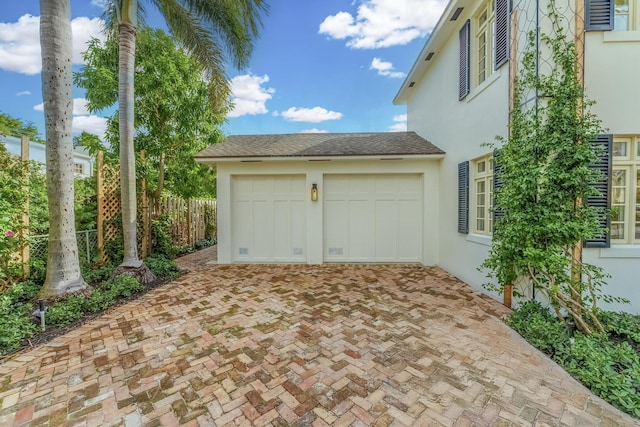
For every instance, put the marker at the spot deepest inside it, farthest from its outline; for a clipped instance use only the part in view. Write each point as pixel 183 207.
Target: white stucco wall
pixel 37 153
pixel 612 61
pixel 314 171
pixel 459 128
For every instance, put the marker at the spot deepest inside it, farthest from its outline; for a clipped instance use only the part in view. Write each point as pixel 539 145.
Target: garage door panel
pixel 386 238
pixel 261 239
pixel 409 220
pixel 336 234
pixel 298 229
pixel 378 218
pixel 359 231
pixel 281 228
pixel 268 218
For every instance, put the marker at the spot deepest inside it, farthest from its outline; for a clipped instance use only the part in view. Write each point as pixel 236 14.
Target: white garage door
pixel 373 218
pixel 268 218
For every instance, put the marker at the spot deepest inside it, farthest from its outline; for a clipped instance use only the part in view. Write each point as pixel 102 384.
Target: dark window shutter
pixel 598 15
pixel 502 33
pixel 497 184
pixel 465 41
pixel 463 197
pixel 602 201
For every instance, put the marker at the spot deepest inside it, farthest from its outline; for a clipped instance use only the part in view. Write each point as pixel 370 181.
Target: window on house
pixel 625 191
pixel 621 14
pixel 78 168
pixel 482 195
pixel 484 41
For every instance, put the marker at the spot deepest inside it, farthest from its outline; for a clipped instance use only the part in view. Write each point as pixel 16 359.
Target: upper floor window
pixel 625 191
pixel 607 15
pixel 622 15
pixel 78 168
pixel 484 41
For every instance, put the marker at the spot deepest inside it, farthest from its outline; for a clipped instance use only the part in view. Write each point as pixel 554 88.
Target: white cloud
pixel 100 3
pixel 20 42
pixel 249 96
pixel 315 130
pixel 23 93
pixel 309 115
pixel 91 124
pixel 79 107
pixel 400 124
pixel 384 23
pixel 385 68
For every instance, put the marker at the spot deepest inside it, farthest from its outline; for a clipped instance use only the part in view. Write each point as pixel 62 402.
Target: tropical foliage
pixel 608 363
pixel 173 116
pixel 545 170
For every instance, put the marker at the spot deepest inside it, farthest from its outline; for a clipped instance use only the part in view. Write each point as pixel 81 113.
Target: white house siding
pixel 315 172
pixel 37 153
pixel 459 128
pixel 612 61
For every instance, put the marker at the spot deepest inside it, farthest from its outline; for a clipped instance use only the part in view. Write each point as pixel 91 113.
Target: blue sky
pixel 319 65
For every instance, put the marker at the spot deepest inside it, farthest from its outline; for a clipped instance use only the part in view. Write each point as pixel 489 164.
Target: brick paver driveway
pixel 298 345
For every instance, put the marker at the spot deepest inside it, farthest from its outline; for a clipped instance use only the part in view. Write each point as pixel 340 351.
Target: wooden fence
pixel 190 220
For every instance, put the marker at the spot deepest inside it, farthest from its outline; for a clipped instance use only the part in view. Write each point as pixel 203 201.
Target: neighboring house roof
pixel 320 145
pixel 448 24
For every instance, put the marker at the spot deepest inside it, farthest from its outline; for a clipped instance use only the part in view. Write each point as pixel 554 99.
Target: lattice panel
pixel 111 201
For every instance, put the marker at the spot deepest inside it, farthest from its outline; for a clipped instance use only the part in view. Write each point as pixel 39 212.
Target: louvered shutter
pixel 502 33
pixel 463 197
pixel 602 201
pixel 598 15
pixel 465 34
pixel 497 184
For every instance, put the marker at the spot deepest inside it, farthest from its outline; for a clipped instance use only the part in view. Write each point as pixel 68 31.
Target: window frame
pixel 78 168
pixel 630 163
pixel 488 30
pixel 486 178
pixel 632 18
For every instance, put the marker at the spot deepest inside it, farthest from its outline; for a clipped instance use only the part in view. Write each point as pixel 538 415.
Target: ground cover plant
pixel 19 328
pixel 608 363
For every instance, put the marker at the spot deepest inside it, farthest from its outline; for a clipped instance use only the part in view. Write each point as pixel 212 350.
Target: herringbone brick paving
pixel 289 345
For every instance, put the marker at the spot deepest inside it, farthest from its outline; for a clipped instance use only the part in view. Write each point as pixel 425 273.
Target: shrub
pixel 122 286
pixel 608 364
pixel 538 326
pixel 161 237
pixel 611 370
pixel 16 323
pixel 66 311
pixel 162 267
pixel 96 275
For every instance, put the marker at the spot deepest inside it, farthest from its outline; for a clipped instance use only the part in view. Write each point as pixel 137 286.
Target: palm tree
pixel 203 27
pixel 63 266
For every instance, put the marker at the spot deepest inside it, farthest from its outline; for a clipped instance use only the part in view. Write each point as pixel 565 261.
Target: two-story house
pixel 82 161
pixel 458 96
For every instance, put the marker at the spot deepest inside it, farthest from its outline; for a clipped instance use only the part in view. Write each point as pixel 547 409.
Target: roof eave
pixel 438 36
pixel 242 159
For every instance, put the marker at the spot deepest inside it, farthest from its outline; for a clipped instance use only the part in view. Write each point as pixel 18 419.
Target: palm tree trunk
pixel 63 266
pixel 127 154
pixel 131 263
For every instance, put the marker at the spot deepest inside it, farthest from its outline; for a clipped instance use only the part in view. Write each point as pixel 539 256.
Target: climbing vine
pixel 545 171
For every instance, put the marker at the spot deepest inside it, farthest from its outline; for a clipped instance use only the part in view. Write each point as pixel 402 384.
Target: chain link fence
pixel 87 246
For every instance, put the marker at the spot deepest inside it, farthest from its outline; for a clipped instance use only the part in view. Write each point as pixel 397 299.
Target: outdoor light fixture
pixel 314 192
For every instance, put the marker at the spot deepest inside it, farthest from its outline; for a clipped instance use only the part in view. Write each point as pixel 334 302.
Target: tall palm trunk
pixel 131 264
pixel 127 153
pixel 63 266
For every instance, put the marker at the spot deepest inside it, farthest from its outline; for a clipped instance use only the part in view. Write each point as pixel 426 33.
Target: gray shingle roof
pixel 320 145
